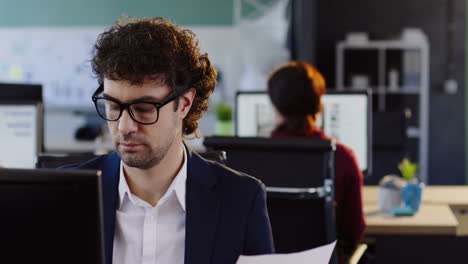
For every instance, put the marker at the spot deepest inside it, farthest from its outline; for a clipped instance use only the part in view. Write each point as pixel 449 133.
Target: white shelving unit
pixel 420 89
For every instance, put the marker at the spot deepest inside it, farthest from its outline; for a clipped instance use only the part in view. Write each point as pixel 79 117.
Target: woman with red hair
pixel 295 90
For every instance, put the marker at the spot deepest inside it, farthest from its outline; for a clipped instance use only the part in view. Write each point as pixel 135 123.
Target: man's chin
pixel 135 163
pixel 136 160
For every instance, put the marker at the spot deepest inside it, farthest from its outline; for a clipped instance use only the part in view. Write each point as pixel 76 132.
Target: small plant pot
pixel 223 128
pixel 412 194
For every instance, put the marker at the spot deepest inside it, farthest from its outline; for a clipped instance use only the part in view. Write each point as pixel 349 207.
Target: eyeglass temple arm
pixel 99 90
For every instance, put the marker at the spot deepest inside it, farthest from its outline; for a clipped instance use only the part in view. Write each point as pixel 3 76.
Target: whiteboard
pixel 57 58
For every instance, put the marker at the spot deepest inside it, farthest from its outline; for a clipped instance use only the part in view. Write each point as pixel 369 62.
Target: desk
pixel 438 233
pixel 430 220
pixel 453 198
pixel 449 195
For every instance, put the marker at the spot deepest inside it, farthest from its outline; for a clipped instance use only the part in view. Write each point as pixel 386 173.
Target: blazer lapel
pixel 110 183
pixel 203 203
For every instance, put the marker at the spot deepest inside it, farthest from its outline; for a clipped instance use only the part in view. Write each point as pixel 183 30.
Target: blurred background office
pixel 407 56
pixel 49 43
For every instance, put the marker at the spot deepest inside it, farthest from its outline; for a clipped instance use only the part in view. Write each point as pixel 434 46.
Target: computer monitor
pixel 346 117
pixel 50 216
pixel 21 125
pixel 55 160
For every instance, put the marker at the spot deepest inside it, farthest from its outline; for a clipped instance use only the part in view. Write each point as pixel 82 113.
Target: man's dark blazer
pixel 226 215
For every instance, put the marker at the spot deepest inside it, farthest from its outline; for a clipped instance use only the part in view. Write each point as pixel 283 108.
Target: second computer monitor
pixel 51 216
pixel 346 117
pixel 21 122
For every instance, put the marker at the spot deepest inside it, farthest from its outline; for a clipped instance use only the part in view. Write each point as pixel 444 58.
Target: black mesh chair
pixel 298 174
pixel 218 156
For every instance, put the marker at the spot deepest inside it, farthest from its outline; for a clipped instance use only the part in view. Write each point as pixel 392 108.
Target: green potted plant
pixel 412 191
pixel 223 125
pixel 408 169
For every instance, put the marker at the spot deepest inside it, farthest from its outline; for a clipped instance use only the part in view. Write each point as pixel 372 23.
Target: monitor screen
pixel 345 117
pixel 18 136
pixel 255 115
pixel 50 216
pixel 21 122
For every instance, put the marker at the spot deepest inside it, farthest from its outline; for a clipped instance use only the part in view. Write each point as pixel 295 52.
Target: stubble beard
pixel 146 158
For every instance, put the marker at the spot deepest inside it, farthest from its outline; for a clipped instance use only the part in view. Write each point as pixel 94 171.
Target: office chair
pixel 298 174
pixel 218 156
pixel 357 254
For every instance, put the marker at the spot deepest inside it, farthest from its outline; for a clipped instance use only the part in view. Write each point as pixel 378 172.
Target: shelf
pixel 413 132
pixel 397 92
pixel 375 59
pixel 383 45
pixel 376 90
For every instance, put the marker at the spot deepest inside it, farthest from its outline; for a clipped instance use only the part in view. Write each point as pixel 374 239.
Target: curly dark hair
pixel 136 50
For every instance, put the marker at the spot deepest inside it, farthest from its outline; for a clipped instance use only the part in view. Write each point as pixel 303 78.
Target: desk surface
pixel 448 195
pixel 430 219
pixel 434 217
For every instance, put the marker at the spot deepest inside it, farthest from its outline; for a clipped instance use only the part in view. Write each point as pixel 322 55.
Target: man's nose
pixel 126 124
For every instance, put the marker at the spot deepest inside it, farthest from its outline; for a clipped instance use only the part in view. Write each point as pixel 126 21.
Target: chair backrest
pixel 299 223
pixel 218 156
pixel 51 161
pixel 298 174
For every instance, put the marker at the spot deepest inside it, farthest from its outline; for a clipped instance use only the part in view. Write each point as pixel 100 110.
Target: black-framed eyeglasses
pixel 145 113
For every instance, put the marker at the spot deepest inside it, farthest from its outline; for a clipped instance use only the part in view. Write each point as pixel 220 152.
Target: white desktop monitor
pixel 346 117
pixel 21 118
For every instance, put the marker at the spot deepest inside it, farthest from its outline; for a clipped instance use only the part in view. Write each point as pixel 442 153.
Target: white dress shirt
pixel 151 234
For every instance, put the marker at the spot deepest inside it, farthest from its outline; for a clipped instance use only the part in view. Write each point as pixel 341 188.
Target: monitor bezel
pixel 26 94
pixel 45 177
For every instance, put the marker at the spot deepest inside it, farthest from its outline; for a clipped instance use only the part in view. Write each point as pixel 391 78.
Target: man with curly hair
pixel 162 202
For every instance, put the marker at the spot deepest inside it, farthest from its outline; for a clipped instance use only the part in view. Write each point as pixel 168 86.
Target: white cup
pixel 389 198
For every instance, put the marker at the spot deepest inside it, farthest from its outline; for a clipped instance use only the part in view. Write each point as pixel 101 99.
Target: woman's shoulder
pixel 344 149
pixel 346 160
pixel 344 154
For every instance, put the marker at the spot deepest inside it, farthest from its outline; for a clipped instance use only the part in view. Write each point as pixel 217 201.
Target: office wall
pixel 385 19
pixel 211 20
pixel 105 12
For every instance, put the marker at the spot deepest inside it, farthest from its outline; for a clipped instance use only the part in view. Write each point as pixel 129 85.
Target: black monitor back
pixel 298 174
pixel 20 93
pixel 48 160
pixel 45 160
pixel 50 216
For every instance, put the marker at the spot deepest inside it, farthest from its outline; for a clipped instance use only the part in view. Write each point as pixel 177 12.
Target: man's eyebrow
pixel 140 99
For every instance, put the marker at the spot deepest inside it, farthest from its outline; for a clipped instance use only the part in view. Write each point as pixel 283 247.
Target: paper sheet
pixel 320 255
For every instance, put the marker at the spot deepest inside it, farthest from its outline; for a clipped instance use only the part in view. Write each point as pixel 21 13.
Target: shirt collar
pixel 178 185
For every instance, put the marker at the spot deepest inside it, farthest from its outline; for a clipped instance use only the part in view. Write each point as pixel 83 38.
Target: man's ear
pixel 186 101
